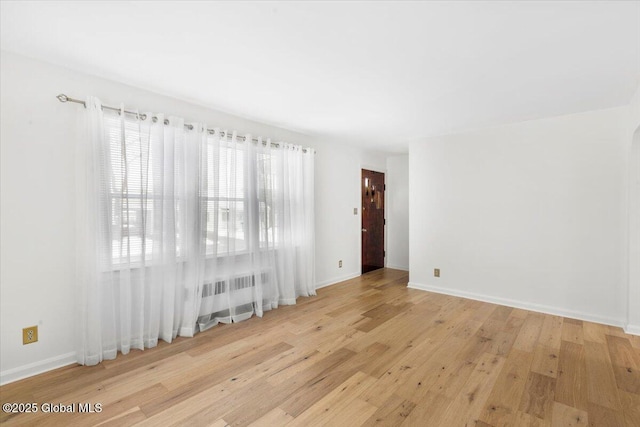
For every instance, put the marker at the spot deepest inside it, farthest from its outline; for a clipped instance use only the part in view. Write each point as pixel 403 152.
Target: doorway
pixel 372 187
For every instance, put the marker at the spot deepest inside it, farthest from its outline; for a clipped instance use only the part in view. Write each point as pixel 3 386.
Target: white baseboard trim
pixel 398 267
pixel 21 372
pixel 333 281
pixel 547 309
pixel 632 329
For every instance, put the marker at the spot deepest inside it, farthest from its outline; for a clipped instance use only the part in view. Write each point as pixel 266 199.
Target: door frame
pixel 632 321
pixel 375 169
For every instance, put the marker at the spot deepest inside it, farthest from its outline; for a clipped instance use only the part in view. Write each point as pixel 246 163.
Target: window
pixel 224 198
pixel 268 236
pixel 138 194
pixel 131 189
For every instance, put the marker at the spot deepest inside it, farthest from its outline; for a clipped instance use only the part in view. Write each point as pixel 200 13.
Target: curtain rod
pixel 64 98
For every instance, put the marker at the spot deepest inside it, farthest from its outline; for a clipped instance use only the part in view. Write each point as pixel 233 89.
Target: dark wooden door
pixel 372 220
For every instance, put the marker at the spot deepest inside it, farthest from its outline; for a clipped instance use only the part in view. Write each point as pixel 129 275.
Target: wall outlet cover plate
pixel 29 335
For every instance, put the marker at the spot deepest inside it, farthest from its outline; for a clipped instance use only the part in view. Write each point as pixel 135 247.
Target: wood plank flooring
pixel 368 351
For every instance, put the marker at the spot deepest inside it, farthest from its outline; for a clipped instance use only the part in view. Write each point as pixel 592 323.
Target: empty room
pixel 288 213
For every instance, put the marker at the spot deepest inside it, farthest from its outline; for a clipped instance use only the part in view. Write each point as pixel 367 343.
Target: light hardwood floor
pixel 368 351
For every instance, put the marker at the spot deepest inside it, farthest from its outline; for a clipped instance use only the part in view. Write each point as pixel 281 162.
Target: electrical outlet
pixel 436 272
pixel 355 211
pixel 340 264
pixel 29 335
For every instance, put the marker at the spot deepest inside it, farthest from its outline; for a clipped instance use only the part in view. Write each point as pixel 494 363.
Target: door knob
pixel 364 229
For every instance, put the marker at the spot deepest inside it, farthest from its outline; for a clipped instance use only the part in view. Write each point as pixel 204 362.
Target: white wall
pixel 532 214
pixel 338 175
pixel 397 206
pixel 37 137
pixel 633 264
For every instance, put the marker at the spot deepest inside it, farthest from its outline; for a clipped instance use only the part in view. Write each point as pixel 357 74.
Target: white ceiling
pixel 373 73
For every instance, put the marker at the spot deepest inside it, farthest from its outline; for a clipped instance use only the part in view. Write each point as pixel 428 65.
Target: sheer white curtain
pixel 180 228
pixel 259 228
